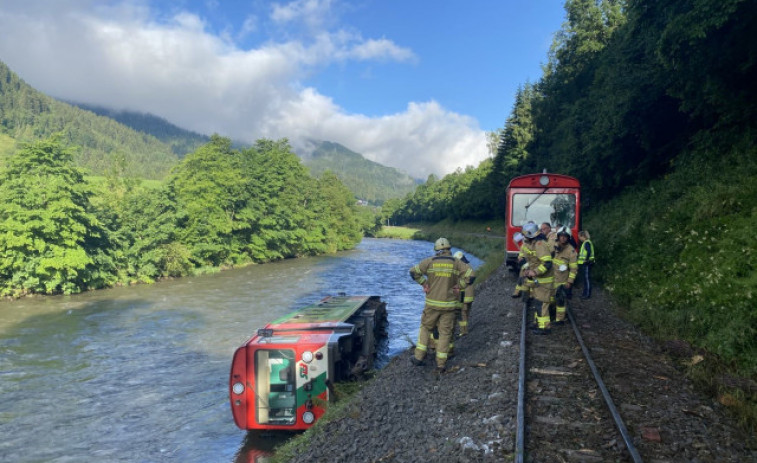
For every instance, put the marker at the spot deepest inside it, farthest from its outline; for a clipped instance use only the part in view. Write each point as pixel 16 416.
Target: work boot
pixel 515 295
pixel 541 331
pixel 559 322
pixel 439 372
pixel 416 362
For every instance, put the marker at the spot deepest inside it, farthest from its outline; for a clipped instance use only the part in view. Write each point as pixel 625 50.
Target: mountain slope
pixel 368 180
pixel 104 144
pixel 181 141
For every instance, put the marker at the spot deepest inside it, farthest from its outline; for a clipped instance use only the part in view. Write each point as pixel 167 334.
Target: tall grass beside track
pixel 679 257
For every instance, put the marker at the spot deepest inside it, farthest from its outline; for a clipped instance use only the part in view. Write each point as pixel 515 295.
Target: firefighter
pixel 565 264
pixel 586 261
pixel 465 301
pixel 538 276
pixel 520 286
pixel 442 278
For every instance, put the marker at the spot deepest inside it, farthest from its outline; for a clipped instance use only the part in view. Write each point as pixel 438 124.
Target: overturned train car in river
pixel 281 378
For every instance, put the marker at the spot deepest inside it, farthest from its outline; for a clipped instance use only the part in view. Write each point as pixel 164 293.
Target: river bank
pixel 406 414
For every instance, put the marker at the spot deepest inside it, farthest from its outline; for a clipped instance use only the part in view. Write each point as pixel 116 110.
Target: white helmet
pixel 531 230
pixel 441 244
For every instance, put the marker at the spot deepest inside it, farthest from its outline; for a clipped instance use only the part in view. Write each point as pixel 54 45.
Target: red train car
pixel 539 198
pixel 280 378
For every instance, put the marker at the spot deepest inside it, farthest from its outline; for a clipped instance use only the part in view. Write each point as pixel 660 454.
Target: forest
pixel 651 105
pixel 65 232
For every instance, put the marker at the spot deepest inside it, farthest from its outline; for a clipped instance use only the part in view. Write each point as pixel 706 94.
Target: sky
pixel 411 84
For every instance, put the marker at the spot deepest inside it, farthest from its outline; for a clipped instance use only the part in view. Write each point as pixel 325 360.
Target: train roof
pixel 330 312
pixel 535 181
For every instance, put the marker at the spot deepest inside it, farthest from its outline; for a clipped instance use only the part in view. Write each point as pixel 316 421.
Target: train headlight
pixel 308 417
pixel 319 355
pixel 543 180
pixel 238 388
pixel 307 356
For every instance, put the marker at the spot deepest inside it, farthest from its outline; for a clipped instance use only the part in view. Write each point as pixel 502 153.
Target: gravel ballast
pixel 408 414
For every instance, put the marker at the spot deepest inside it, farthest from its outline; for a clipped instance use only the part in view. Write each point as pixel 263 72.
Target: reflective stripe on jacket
pixel 442 273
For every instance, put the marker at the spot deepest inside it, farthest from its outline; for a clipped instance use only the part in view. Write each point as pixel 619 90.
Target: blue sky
pixel 410 84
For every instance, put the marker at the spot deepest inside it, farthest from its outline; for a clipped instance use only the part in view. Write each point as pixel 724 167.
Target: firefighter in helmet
pixel 565 265
pixel 442 278
pixel 538 277
pixel 520 284
pixel 465 301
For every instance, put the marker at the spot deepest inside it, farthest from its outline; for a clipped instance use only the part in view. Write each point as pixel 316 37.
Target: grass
pixel 401 233
pixel 484 240
pixel 678 255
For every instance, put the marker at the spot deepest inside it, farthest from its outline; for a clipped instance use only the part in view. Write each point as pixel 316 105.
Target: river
pixel 140 373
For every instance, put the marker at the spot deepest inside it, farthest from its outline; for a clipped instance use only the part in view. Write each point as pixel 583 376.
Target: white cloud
pixel 249 26
pixel 119 57
pixel 311 12
pixel 372 49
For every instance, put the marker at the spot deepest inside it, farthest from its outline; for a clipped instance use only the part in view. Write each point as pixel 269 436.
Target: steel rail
pixel 608 400
pixel 520 421
pixel 520 449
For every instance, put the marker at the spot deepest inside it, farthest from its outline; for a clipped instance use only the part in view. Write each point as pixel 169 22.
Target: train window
pixel 554 208
pixel 275 386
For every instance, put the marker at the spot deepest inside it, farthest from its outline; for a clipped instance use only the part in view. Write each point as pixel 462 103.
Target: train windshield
pixel 556 209
pixel 275 386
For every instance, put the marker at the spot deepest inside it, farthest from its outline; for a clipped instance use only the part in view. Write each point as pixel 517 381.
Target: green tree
pixel 51 241
pixel 209 190
pixel 340 220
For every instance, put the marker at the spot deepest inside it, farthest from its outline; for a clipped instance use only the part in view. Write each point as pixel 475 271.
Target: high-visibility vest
pixel 587 253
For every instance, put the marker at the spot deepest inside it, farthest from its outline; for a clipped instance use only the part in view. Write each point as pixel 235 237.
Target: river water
pixel 140 374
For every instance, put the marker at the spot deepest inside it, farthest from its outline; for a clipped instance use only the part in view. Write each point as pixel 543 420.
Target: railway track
pixel 565 411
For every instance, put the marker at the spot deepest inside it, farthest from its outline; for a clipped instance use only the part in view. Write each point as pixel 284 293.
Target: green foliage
pixel 259 204
pixel 367 180
pixel 27 115
pixel 64 233
pixel 688 241
pixel 51 241
pixel 181 141
pixel 7 147
pixel 340 221
pixel 209 186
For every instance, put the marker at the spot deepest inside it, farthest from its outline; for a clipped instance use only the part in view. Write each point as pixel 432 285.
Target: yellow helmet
pixel 441 244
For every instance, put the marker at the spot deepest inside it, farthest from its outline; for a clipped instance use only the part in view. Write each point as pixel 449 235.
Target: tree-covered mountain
pixel 180 140
pixel 146 146
pixel 370 181
pixel 27 115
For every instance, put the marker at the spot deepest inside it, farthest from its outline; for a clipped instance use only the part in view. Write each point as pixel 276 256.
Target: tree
pixel 209 190
pixel 51 241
